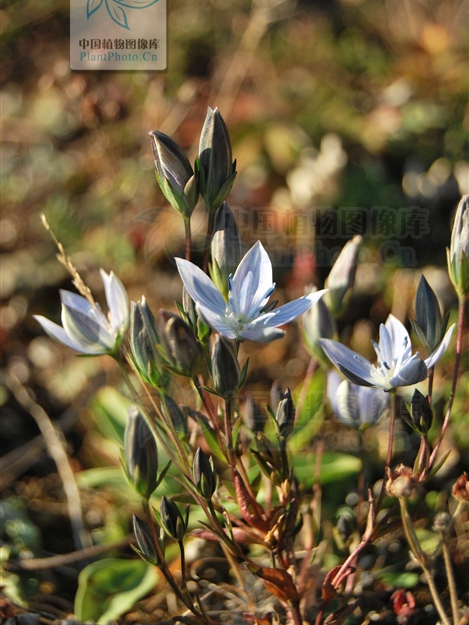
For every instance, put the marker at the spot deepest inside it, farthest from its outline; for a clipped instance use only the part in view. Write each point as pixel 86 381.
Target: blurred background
pixel 353 110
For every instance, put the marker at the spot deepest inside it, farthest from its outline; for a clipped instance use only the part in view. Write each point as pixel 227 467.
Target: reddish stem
pixel 459 341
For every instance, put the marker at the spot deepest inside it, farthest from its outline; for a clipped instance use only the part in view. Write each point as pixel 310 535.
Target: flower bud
pixel 174 173
pixel 286 414
pixel 225 367
pixel 177 416
pixel 205 477
pixel 141 454
pixel 254 416
pixel 318 323
pixel 355 406
pixel 461 488
pixel 179 343
pixel 188 305
pixel 269 453
pixel 143 343
pixel 342 274
pixel 217 171
pixel 419 413
pixel 345 526
pixel 458 253
pixel 227 248
pixel 146 548
pixel 172 520
pixel 428 323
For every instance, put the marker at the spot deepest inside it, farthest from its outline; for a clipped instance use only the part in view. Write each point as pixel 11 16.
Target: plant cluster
pixel 239 473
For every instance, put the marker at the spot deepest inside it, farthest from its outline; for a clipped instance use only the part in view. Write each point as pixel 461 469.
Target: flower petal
pixel 347 404
pixel 384 351
pixel 372 403
pixel 257 263
pixel 438 353
pixel 288 312
pixel 90 335
pixel 216 321
pixel 400 339
pixel 261 334
pixel 200 287
pixel 72 300
pixel 58 333
pixel 353 366
pixel 117 302
pixel 415 370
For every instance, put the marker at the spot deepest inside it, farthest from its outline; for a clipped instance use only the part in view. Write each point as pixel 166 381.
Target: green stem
pixel 229 432
pixel 187 229
pixel 183 563
pixel 451 581
pixel 164 567
pixel 208 239
pixel 422 559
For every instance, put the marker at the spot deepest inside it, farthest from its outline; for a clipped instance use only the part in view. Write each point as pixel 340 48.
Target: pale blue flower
pixel 354 405
pixel 246 313
pixel 85 328
pixel 395 367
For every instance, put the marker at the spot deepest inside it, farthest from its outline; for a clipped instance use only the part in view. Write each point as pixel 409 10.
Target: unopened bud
pixel 172 520
pixel 225 367
pixel 174 173
pixel 179 343
pixel 141 454
pixel 227 248
pixel 178 417
pixel 189 307
pixel 146 547
pixel 421 415
pixel 286 414
pixel 458 253
pixel 143 343
pixel 428 323
pixel 319 323
pixel 342 274
pixel 217 171
pixel 205 477
pixel 253 415
pixel 345 526
pixel 269 458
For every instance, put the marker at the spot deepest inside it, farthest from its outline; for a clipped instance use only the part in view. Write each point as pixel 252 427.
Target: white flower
pixel 246 314
pixel 85 328
pixel 354 405
pixel 396 366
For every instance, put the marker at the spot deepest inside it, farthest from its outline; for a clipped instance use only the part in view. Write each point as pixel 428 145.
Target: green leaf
pixel 110 409
pixel 110 587
pixel 235 433
pixel 398 579
pixel 335 466
pixel 212 441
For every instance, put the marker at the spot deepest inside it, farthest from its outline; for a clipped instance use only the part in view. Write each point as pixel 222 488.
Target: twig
pixel 75 556
pixel 53 439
